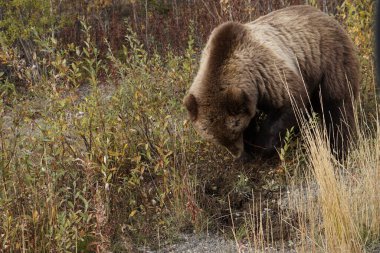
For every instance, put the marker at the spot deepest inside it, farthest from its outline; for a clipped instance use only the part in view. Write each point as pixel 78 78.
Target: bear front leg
pixel 265 137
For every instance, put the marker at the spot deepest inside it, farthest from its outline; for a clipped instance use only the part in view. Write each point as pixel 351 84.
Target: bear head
pixel 219 102
pixel 221 118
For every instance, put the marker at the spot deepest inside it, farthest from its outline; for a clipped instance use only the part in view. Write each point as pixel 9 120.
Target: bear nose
pixel 244 158
pixel 235 151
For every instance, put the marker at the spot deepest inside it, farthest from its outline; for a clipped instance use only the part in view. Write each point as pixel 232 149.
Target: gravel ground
pixel 190 243
pixel 195 244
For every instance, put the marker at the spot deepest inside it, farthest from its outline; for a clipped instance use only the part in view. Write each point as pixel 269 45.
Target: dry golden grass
pixel 330 205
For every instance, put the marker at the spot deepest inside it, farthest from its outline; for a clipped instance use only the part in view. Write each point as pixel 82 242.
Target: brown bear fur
pixel 246 68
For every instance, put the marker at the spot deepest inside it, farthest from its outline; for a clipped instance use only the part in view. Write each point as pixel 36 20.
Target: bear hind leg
pixel 339 118
pixel 339 90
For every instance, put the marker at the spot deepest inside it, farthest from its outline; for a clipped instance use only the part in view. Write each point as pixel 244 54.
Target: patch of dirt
pixel 241 190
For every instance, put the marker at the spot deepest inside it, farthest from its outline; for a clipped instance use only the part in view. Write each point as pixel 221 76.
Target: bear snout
pixel 244 158
pixel 236 149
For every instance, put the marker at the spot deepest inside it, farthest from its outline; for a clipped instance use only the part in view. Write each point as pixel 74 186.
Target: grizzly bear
pixel 293 56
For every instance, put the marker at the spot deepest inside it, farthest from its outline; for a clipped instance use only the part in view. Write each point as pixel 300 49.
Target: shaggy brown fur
pixel 255 66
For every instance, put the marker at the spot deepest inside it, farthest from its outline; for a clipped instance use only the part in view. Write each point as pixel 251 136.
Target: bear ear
pixel 191 105
pixel 237 101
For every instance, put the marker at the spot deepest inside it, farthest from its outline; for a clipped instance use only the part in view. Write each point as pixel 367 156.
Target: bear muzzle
pixel 236 149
